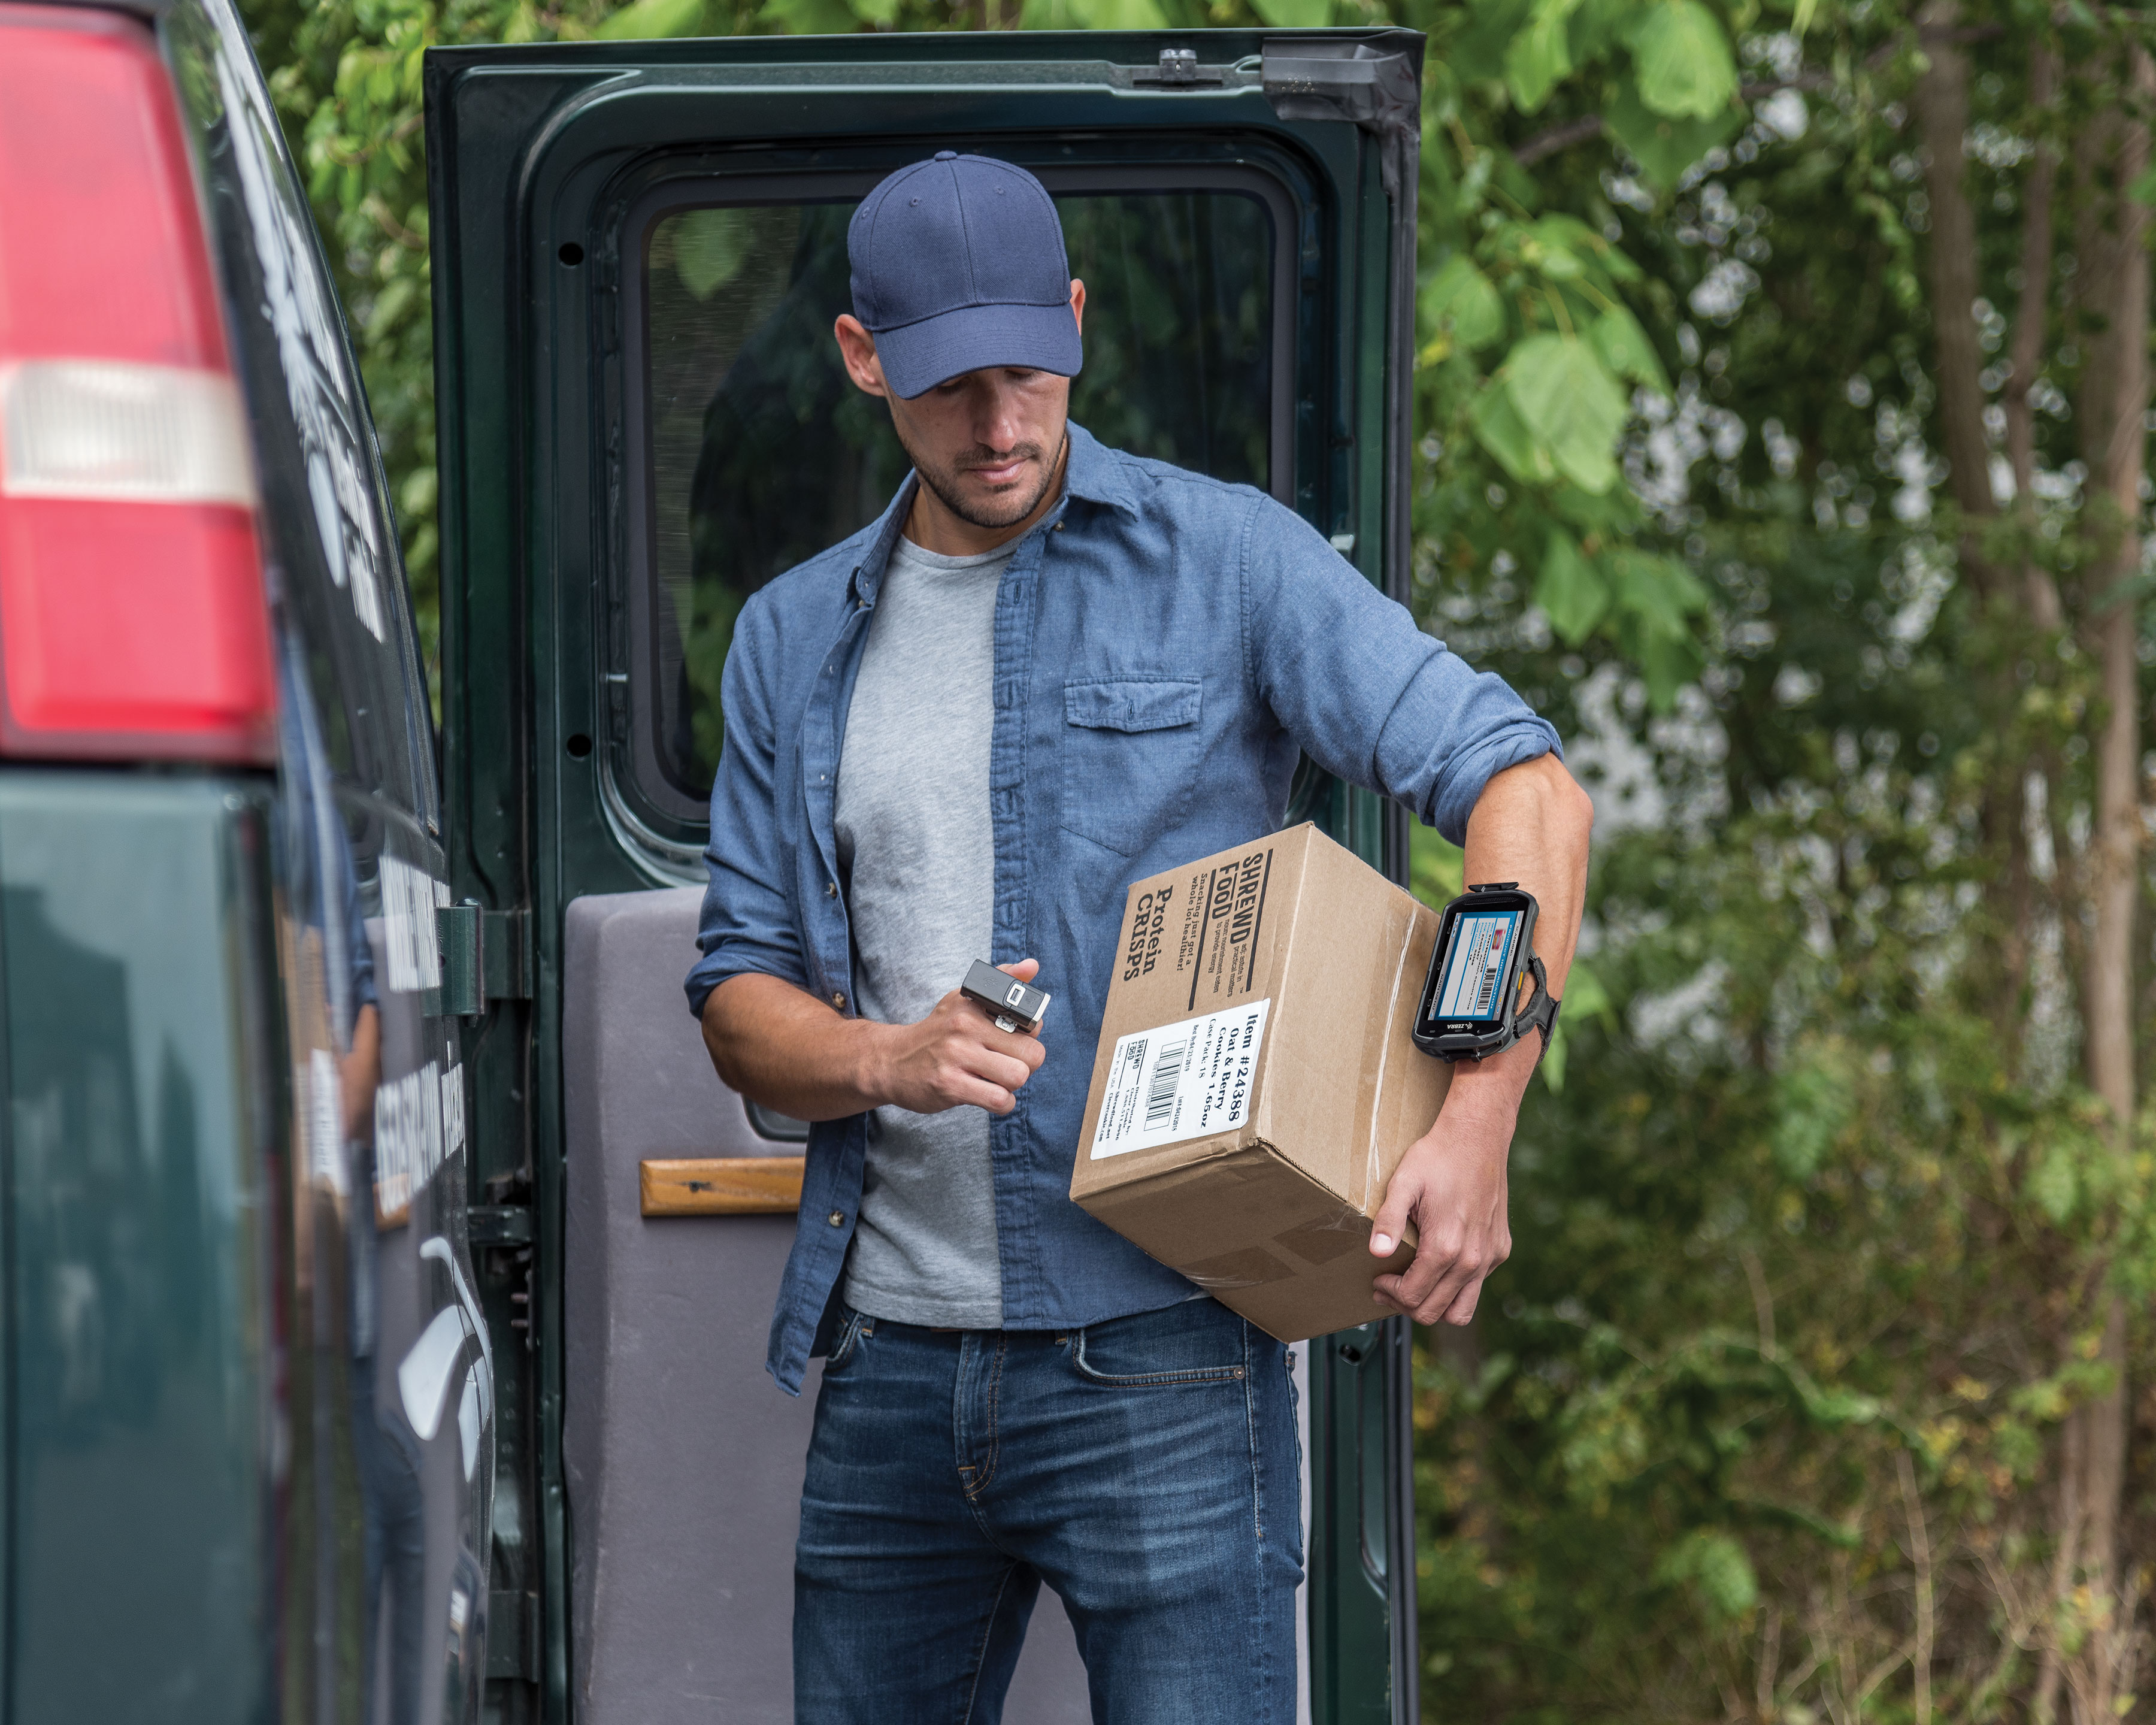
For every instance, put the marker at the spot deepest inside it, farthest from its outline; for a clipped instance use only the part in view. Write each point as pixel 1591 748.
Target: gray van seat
pixel 684 1461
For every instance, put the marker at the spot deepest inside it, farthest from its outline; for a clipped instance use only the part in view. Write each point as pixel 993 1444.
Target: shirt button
pixel 830 888
pixel 838 1219
pixel 838 1001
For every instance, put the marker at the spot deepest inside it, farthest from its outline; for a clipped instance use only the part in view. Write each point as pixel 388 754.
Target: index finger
pixel 996 1037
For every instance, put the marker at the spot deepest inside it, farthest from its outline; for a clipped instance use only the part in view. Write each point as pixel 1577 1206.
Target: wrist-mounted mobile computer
pixel 1470 1004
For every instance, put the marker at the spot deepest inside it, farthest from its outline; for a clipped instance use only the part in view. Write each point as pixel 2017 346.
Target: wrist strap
pixel 1542 1009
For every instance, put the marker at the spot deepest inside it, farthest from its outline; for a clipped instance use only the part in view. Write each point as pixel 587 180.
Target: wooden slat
pixel 721 1186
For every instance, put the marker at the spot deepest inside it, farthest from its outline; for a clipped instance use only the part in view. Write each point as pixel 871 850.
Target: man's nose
pixel 998 412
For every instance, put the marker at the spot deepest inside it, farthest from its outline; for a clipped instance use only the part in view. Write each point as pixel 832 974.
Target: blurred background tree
pixel 1781 410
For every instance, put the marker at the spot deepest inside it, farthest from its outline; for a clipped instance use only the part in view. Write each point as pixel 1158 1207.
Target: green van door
pixel 638 250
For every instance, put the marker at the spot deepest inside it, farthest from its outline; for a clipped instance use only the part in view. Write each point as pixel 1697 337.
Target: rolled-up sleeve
pixel 1367 694
pixel 749 922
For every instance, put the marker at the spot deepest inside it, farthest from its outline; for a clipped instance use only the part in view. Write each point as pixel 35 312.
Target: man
pixel 1049 670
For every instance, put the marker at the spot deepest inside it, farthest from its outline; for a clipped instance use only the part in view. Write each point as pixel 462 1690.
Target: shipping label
pixel 1186 1080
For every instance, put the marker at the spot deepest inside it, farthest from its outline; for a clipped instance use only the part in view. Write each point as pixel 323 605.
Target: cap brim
pixel 917 356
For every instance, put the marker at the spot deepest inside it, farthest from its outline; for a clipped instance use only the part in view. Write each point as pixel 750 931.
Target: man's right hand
pixel 790 1051
pixel 957 1055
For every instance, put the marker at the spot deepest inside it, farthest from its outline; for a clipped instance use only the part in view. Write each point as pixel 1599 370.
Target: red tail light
pixel 133 622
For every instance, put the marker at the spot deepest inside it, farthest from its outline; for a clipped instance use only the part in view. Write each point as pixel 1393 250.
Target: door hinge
pixel 509 963
pixel 486 955
pixel 501 1226
pixel 460 937
pixel 512 1636
pixel 1178 70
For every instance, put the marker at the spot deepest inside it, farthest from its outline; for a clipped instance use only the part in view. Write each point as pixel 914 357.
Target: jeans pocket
pixel 1129 754
pixel 849 1341
pixel 1198 1341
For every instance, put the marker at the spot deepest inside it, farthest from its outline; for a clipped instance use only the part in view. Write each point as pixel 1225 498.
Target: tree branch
pixel 1942 105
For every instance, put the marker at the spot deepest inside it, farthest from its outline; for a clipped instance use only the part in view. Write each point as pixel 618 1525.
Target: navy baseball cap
pixel 958 263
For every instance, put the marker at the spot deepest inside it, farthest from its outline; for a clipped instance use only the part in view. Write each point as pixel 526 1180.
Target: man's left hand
pixel 1451 1184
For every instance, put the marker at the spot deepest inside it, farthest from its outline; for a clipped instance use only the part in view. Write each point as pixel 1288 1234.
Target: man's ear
pixel 1078 303
pixel 857 348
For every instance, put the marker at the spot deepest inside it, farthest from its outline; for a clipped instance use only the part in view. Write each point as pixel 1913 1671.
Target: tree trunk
pixel 1942 105
pixel 2040 592
pixel 2112 245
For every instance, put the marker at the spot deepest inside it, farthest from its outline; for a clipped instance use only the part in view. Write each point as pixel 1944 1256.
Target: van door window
pixel 757 452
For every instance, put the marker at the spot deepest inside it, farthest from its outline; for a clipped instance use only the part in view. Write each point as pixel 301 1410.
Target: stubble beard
pixel 1006 512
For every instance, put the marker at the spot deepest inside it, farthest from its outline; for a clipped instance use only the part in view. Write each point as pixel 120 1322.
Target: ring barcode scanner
pixel 1006 999
pixel 1486 949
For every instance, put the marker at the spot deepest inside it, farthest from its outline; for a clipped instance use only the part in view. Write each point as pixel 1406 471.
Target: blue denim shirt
pixel 1164 646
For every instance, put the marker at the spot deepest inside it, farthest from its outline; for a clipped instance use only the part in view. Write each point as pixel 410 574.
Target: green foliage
pixel 1568 404
pixel 1684 67
pixel 1809 1214
pixel 1715 1565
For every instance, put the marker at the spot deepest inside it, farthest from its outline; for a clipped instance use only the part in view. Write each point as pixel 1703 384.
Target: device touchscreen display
pixel 1475 967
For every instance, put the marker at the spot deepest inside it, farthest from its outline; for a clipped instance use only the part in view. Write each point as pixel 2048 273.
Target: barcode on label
pixel 1161 1098
pixel 1176 1081
pixel 1489 988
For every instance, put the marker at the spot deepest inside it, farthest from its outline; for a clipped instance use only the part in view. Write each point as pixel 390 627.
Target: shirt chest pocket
pixel 1130 757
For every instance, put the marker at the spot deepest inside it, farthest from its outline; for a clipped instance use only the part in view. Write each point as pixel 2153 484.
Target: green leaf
pixel 1626 351
pixel 1661 592
pixel 1725 1577
pixel 1571 405
pixel 1717 1566
pixel 1812 1107
pixel 1683 60
pixel 1437 868
pixel 710 247
pixel 1558 228
pixel 390 305
pixel 1476 55
pixel 1294 14
pixel 1554 1057
pixel 2055 1184
pixel 1571 594
pixel 1499 428
pixel 1540 55
pixel 1595 26
pixel 1093 15
pixel 1557 262
pixel 416 496
pixel 1664 147
pixel 1585 997
pixel 1666 664
pixel 644 19
pixel 1462 294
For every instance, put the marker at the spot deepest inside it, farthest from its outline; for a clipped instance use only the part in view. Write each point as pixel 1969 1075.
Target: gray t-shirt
pixel 916 849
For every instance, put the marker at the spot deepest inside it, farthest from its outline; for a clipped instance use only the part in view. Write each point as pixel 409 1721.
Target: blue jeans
pixel 1145 1468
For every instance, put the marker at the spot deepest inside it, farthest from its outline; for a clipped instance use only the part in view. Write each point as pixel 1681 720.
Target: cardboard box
pixel 1256 1085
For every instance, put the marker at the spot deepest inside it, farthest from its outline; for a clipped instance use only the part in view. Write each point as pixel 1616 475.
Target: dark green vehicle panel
pixel 545 163
pixel 142 1090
